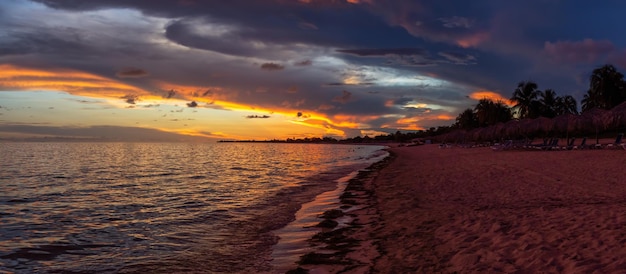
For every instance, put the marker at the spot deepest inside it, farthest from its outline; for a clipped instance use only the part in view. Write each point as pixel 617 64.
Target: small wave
pixel 47 252
pixel 241 168
pixel 164 174
pixel 21 200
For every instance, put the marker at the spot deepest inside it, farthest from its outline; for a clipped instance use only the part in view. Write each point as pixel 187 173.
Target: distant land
pixel 398 137
pixel 43 133
pixel 38 133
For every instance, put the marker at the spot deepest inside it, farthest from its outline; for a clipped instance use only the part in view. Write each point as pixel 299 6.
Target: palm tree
pixel 490 113
pixel 525 96
pixel 548 103
pixel 502 112
pixel 590 100
pixel 566 104
pixel 467 120
pixel 606 88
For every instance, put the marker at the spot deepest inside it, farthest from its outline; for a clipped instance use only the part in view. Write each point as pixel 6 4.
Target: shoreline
pixel 344 242
pixel 474 210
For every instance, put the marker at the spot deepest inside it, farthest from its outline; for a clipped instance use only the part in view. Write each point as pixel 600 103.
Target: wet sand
pixel 473 210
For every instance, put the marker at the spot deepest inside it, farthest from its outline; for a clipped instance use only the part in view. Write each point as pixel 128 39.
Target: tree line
pixel 607 89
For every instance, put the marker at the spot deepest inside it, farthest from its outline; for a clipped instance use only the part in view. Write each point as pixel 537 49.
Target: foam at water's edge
pixel 294 237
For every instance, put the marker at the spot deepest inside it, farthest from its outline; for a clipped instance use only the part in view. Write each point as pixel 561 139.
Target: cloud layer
pixel 344 66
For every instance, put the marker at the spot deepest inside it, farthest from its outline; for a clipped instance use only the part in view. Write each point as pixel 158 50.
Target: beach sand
pixel 473 210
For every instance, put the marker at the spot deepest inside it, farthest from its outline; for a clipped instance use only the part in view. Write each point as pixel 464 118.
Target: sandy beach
pixel 473 210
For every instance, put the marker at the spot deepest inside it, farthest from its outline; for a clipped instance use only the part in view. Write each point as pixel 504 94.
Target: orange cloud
pixel 74 82
pixel 410 123
pixel 485 94
pixel 413 123
pixel 354 121
pixel 372 133
pixel 445 117
pixel 320 124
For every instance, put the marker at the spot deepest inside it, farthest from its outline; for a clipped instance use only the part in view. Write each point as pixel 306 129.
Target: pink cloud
pixel 473 39
pixel 585 51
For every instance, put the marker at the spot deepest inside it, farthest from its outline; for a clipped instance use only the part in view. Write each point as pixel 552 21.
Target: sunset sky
pixel 252 69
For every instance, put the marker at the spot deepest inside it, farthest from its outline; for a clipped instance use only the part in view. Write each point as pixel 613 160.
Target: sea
pixel 167 207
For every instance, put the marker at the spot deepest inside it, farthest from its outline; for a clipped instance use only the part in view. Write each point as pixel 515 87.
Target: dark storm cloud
pixel 207 92
pixel 328 24
pixel 417 110
pixel 86 101
pixel 458 58
pixel 457 47
pixel 130 98
pixel 170 93
pixel 272 66
pixel 258 116
pixel 303 63
pixel 131 73
pixel 457 22
pixel 413 56
pixel 385 52
pixel 344 97
pixel 232 43
pixel 351 84
pixel 52 42
pixel 441 21
pixel 402 101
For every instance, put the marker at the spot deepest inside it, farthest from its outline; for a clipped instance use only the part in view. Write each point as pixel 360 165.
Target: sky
pixel 277 69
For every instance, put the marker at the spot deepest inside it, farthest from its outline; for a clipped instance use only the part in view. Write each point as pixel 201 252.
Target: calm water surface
pixel 156 208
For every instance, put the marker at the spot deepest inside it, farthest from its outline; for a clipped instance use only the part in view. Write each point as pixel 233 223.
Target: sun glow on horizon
pixel 206 111
pixel 169 112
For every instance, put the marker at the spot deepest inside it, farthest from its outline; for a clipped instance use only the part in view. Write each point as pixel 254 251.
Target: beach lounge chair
pixel 504 146
pixel 552 145
pixel 555 144
pixel 445 145
pixel 582 145
pixel 539 146
pixel 570 143
pixel 528 143
pixel 618 142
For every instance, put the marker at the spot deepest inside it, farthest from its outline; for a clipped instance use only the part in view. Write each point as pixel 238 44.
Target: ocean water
pixel 163 207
